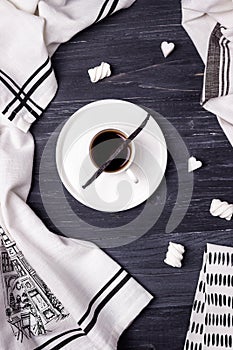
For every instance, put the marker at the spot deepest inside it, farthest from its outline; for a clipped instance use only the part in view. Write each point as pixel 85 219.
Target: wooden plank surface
pixel 130 41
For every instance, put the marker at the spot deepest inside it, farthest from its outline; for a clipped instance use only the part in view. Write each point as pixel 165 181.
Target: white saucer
pixel 110 192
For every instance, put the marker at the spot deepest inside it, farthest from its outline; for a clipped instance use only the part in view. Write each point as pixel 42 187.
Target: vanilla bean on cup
pixel 104 144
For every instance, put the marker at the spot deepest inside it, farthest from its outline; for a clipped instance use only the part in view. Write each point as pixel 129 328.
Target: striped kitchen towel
pixel 211 321
pixel 55 292
pixel 31 31
pixel 209 24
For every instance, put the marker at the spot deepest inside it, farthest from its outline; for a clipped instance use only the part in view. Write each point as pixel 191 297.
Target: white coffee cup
pixel 103 145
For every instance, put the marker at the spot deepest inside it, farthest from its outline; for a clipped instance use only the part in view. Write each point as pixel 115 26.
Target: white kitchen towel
pixel 55 292
pixel 210 26
pixel 211 321
pixel 31 30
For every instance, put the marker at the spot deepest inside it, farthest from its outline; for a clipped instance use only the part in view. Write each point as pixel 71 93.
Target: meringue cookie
pixel 222 209
pixel 100 72
pixel 167 48
pixel 194 164
pixel 174 254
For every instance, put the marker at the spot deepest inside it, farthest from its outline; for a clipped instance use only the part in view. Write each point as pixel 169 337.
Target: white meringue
pixel 100 72
pixel 174 254
pixel 222 209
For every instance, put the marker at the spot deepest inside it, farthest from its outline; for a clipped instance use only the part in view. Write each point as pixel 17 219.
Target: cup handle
pixel 131 175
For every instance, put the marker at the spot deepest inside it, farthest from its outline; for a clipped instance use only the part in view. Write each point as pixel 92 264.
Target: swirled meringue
pixel 174 254
pixel 222 209
pixel 100 72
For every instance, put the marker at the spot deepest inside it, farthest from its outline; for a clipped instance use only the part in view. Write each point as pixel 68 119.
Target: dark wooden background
pixel 130 41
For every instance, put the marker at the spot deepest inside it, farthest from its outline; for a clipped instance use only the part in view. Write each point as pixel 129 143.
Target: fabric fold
pixel 92 290
pixel 27 80
pixel 56 292
pixel 209 25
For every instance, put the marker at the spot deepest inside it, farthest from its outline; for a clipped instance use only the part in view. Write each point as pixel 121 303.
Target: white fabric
pixel 28 40
pixel 212 314
pixel 199 19
pixel 55 292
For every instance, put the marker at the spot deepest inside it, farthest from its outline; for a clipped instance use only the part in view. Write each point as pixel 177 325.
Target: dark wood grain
pixel 130 41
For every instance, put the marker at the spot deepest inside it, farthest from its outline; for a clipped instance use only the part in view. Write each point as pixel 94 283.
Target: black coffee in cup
pixel 104 144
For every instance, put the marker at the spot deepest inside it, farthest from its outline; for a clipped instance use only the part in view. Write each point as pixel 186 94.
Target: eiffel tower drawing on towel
pixel 31 307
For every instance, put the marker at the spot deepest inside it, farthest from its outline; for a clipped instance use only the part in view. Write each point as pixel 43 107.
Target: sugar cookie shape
pixel 194 164
pixel 167 48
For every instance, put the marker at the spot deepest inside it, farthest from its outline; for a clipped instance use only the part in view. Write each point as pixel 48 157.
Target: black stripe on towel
pixel 12 90
pixel 30 92
pixel 21 90
pixel 101 11
pixel 67 341
pixel 225 74
pixel 228 67
pixel 113 7
pixel 97 311
pixel 96 314
pixel 104 302
pixel 16 93
pixel 223 66
pixel 57 337
pixel 98 295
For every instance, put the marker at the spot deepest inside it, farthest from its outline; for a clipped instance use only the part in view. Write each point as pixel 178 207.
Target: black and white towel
pixel 55 292
pixel 211 321
pixel 31 31
pixel 210 26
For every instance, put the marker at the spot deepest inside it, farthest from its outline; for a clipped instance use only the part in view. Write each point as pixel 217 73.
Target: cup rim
pixel 131 145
